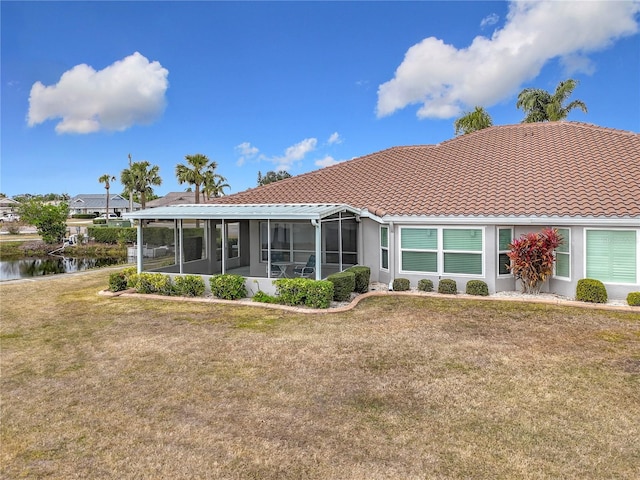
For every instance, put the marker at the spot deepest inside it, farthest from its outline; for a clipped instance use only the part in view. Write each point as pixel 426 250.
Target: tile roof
pixel 540 169
pixel 173 198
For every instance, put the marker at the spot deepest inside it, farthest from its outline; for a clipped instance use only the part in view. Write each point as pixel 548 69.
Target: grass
pixel 400 387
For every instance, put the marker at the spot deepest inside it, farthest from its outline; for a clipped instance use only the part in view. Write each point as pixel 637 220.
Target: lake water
pixel 36 267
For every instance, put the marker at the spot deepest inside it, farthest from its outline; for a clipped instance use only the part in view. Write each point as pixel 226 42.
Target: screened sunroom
pixel 260 241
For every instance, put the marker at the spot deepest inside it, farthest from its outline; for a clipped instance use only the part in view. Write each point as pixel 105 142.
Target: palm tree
pixel 193 172
pixel 139 178
pixel 107 179
pixel 214 184
pixel 541 106
pixel 472 121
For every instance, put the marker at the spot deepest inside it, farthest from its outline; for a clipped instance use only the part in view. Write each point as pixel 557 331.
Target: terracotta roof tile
pixel 540 169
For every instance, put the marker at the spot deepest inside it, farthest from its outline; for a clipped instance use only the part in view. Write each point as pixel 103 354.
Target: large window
pixel 384 248
pixel 505 236
pixel 441 250
pixel 462 250
pixel 562 267
pixel 419 249
pixel 612 255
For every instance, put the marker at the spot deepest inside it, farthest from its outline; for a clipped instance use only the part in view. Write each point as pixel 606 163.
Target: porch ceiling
pixel 297 211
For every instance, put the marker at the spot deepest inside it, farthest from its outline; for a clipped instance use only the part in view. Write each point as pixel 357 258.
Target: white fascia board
pixel 514 220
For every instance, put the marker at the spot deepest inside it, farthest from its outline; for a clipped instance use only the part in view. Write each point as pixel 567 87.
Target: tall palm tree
pixel 139 178
pixel 214 184
pixel 107 179
pixel 194 171
pixel 542 106
pixel 473 121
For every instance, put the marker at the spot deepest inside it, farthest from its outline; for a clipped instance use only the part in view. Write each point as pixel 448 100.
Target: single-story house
pixel 96 203
pixel 448 210
pixel 173 198
pixel 8 205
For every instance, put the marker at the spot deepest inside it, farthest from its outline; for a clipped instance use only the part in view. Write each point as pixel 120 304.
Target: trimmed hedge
pixel 228 286
pixel 189 285
pixel 448 286
pixel 85 216
pixel 363 274
pixel 425 285
pixel 112 235
pixel 304 291
pixel 633 299
pixel 477 287
pixel 401 285
pixel 591 290
pixel 343 284
pixel 151 283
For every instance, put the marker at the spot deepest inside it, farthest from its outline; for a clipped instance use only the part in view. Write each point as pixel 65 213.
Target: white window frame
pixel 383 248
pixel 502 252
pixel 566 241
pixel 584 257
pixel 440 251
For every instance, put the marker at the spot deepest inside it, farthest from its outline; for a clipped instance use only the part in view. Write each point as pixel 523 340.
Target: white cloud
pixel 334 138
pixel 246 151
pixel 326 161
pixel 128 92
pixel 295 153
pixel 489 20
pixel 445 80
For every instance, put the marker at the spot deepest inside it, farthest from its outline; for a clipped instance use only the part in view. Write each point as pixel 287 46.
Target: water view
pixel 36 267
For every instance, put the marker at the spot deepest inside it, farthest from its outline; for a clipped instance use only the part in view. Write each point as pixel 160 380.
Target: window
pixel 505 236
pixel 233 240
pixel 419 249
pixel 384 248
pixel 462 249
pixel 611 255
pixel 562 267
pixel 445 250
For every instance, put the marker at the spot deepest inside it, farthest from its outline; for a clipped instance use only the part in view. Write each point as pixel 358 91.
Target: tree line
pixel 538 106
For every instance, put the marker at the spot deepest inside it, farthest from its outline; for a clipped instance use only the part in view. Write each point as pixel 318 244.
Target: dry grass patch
pixel 400 387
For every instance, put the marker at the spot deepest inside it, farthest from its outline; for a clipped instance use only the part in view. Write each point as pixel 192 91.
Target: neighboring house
pixel 435 211
pixel 8 206
pixel 96 203
pixel 173 198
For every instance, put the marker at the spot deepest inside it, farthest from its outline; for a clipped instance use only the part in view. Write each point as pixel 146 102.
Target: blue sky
pixel 294 85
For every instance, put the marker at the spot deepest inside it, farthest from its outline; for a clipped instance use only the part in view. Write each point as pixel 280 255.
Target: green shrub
pixel 262 297
pixel 117 281
pixel 343 284
pixel 319 294
pixel 401 284
pixel 112 235
pixel 189 285
pixel 304 291
pixel 448 286
pixel 228 286
pixel 591 290
pixel 363 274
pixel 99 221
pixel 633 299
pixel 83 215
pixel 291 291
pixel 425 285
pixel 152 283
pixel 477 287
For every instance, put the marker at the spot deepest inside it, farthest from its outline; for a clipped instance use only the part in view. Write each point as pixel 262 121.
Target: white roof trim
pixel 296 211
pixel 511 220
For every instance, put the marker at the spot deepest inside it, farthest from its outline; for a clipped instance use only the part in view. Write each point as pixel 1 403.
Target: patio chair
pixel 308 269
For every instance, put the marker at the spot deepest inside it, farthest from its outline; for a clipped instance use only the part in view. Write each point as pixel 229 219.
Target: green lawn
pixel 398 388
